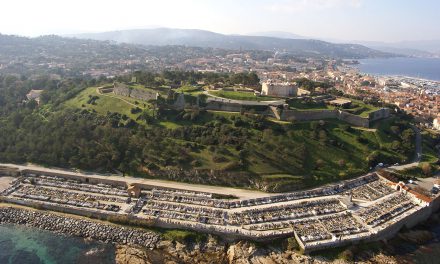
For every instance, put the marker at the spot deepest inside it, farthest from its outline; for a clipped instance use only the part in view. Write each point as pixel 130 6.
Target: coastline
pixel 216 251
pixel 233 231
pixel 397 75
pixel 77 226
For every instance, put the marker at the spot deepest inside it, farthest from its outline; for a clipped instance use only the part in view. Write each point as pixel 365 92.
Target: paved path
pixel 240 193
pixel 243 102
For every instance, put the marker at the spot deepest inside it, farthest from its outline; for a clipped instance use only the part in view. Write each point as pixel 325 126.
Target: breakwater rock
pixel 79 227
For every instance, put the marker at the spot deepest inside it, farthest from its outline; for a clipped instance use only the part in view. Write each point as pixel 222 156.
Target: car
pixel 435 190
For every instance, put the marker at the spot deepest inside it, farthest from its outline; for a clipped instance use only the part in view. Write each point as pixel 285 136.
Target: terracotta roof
pixel 421 196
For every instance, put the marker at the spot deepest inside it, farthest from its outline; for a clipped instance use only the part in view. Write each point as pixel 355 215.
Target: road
pixel 240 193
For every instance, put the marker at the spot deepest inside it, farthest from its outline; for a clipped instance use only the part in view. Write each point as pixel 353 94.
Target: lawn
pixel 161 90
pixel 357 108
pixel 193 90
pixel 360 108
pixel 105 103
pixel 300 104
pixel 248 96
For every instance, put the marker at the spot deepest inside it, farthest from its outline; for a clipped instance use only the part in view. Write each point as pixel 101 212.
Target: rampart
pixel 123 90
pixel 379 114
pixel 308 115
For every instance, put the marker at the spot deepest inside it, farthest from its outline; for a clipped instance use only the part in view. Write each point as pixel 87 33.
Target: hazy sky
pixel 375 20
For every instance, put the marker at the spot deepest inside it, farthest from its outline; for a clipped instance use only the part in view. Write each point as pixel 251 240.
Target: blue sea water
pixel 25 245
pixel 424 68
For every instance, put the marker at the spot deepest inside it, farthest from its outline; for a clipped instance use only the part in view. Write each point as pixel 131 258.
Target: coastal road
pixel 240 193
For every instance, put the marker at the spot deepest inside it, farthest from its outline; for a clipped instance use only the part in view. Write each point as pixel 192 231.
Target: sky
pixel 366 20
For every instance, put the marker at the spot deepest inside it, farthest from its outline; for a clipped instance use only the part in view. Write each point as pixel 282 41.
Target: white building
pixel 279 89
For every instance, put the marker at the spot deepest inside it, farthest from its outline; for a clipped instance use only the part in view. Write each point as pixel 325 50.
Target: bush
pixel 184 236
pixel 135 110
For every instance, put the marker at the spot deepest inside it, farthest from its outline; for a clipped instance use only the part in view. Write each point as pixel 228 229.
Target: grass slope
pixel 284 156
pixel 235 95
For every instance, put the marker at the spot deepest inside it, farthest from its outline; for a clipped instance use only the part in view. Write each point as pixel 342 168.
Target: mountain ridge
pixel 203 38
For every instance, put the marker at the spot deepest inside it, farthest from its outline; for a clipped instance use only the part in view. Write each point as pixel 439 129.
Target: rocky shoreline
pixel 79 227
pixel 135 246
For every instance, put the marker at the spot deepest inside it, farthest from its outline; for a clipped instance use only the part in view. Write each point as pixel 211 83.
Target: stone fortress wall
pixel 285 115
pixel 380 114
pixel 124 90
pixel 223 106
pixel 355 120
pixel 308 115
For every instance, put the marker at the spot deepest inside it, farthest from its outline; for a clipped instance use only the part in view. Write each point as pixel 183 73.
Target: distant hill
pixel 277 34
pixel 427 48
pixel 202 38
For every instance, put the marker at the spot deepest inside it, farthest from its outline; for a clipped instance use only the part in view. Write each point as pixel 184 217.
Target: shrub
pixel 135 110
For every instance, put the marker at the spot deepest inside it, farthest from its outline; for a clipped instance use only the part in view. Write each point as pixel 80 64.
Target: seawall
pixel 79 227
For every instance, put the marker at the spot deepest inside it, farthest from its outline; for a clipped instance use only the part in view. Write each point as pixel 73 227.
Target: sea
pixel 422 68
pixel 25 245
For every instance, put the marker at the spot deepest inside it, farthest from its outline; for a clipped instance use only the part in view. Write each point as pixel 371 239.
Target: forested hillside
pixel 193 145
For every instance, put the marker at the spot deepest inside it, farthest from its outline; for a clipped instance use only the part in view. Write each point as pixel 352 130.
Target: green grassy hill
pixel 274 156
